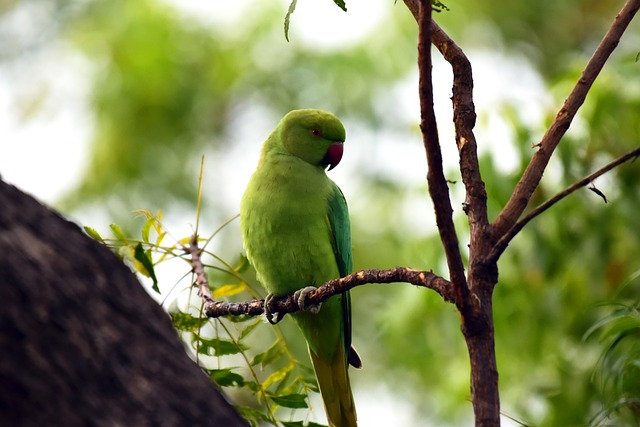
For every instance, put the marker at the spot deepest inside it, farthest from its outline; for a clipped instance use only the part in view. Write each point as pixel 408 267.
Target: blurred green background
pixel 108 106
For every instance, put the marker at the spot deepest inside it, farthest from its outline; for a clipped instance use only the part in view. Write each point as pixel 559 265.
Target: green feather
pixel 296 231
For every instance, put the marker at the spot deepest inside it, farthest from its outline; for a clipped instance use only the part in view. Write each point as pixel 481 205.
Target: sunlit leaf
pixel 278 376
pixel 229 290
pixel 186 322
pixel 146 229
pixel 161 236
pixel 93 233
pixel 117 232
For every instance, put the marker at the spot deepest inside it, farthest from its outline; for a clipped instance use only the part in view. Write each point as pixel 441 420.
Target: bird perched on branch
pixel 296 231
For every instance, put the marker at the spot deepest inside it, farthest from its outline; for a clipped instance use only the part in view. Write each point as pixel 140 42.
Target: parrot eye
pixel 315 132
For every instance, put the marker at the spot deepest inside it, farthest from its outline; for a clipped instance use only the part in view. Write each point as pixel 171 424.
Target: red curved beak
pixel 334 155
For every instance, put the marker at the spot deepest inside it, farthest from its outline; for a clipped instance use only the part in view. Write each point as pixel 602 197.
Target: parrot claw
pixel 301 296
pixel 270 309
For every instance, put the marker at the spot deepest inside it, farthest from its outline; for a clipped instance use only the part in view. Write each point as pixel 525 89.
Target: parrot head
pixel 314 136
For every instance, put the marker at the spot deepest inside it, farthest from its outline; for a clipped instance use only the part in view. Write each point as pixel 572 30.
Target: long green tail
pixel 335 389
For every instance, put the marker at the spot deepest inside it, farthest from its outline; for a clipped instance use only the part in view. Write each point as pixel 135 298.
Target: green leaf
pixel 252 385
pixel 239 318
pixel 186 322
pixel 246 331
pixel 341 4
pixel 293 423
pixel 252 415
pixel 613 317
pixel 219 347
pixel 438 6
pixel 93 234
pixel 294 401
pixel 310 381
pixel 243 265
pixel 269 356
pixel 226 377
pixel 144 258
pixel 160 237
pixel 301 423
pixel 229 290
pixel 292 8
pixel 117 232
pixel 146 228
pixel 277 376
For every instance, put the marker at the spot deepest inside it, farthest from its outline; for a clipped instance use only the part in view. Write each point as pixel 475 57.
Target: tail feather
pixel 335 389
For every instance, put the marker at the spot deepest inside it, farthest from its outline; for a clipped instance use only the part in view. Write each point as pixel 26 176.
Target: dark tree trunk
pixel 81 343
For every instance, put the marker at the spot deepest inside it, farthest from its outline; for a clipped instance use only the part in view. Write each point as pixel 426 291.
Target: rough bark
pixel 82 343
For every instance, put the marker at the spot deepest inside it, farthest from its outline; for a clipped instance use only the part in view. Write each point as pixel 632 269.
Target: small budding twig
pixel 289 303
pixel 204 291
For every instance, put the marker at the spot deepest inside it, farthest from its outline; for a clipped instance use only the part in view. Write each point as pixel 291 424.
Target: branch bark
pixel 502 244
pixel 438 188
pixel 533 173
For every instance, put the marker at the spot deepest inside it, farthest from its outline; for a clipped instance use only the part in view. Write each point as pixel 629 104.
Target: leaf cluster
pixel 231 351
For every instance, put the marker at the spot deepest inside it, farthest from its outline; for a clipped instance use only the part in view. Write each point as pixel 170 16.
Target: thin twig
pixel 204 291
pixel 289 304
pixel 502 244
pixel 531 178
pixel 438 188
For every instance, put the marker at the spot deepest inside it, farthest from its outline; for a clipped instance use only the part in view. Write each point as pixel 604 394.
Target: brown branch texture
pixel 289 303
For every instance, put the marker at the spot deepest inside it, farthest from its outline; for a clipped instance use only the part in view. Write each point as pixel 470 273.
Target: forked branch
pixel 533 173
pixel 438 188
pixel 502 244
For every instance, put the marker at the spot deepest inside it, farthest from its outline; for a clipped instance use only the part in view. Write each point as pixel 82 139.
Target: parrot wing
pixel 341 241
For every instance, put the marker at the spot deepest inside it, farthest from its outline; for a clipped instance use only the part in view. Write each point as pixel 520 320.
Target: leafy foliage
pixel 618 370
pixel 165 88
pixel 229 350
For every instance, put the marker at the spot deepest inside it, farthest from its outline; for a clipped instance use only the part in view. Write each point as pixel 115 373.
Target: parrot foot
pixel 301 295
pixel 270 309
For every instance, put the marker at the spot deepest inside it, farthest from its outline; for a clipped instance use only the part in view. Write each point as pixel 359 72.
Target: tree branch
pixel 204 291
pixel 532 175
pixel 502 244
pixel 464 119
pixel 438 188
pixel 289 304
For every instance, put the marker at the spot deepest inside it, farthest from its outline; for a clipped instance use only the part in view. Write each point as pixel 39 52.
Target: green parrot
pixel 296 231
